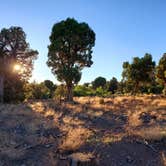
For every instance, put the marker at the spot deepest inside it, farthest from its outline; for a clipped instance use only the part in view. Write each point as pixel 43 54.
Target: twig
pixel 147 144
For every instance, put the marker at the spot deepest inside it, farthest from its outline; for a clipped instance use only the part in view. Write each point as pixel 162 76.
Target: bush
pixel 60 92
pixel 36 91
pixel 102 92
pixel 14 91
pixel 156 89
pixel 82 90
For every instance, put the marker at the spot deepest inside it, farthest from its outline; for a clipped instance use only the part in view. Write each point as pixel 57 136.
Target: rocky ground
pixel 121 131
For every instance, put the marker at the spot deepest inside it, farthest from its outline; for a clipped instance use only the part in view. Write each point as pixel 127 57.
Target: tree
pixel 14 51
pixel 161 72
pixel 113 85
pixel 87 84
pixel 70 50
pixel 99 82
pixel 139 72
pixel 50 85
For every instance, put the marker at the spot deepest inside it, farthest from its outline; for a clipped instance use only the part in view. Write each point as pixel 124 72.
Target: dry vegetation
pixel 115 131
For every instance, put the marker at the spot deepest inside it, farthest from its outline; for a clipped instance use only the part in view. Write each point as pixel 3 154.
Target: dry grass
pixel 75 138
pixel 90 121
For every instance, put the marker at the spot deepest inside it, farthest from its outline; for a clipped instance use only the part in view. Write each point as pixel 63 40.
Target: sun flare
pixel 17 67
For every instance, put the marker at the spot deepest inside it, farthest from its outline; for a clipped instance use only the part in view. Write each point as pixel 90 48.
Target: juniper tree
pixel 70 50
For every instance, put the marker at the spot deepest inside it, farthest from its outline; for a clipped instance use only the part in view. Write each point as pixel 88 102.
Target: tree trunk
pixel 70 92
pixel 1 88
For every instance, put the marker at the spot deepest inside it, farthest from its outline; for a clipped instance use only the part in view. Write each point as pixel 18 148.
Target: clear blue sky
pixel 124 29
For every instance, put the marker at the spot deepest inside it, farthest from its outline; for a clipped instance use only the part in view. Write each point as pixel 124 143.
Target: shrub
pixel 36 91
pixel 60 92
pixel 14 91
pixel 82 90
pixel 102 92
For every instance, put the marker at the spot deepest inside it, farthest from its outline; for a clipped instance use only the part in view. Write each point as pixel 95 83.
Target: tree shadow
pixel 27 137
pixel 129 151
pixel 49 133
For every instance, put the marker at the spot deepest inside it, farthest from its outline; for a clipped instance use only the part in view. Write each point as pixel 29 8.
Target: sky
pixel 124 29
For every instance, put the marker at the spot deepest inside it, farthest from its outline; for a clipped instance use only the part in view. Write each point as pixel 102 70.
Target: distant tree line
pixel 69 51
pixel 138 77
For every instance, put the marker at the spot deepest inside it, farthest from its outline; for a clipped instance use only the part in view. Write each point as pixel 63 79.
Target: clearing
pixel 120 131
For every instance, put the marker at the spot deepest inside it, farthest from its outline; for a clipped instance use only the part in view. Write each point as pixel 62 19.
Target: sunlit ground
pixel 132 127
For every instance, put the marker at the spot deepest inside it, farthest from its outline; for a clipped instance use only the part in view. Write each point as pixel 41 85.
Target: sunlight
pixel 17 67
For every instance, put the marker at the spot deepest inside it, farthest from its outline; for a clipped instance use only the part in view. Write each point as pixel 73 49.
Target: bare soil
pixel 122 131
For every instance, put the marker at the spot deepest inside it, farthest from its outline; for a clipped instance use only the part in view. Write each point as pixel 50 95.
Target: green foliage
pixel 60 92
pixel 50 85
pixel 82 90
pixel 13 90
pixel 124 87
pixel 161 72
pixel 113 85
pixel 139 72
pixel 99 82
pixel 102 92
pixel 151 89
pixel 70 51
pixel 36 91
pixel 14 50
pixel 86 84
pixel 164 91
pixel 161 69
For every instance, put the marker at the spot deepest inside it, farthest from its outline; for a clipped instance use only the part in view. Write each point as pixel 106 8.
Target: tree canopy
pixel 113 85
pixel 70 50
pixel 99 82
pixel 161 71
pixel 140 71
pixel 15 52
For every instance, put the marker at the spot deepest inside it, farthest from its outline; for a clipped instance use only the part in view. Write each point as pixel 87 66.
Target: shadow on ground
pixel 123 131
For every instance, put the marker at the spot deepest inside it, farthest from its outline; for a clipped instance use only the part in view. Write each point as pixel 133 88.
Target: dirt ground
pixel 120 131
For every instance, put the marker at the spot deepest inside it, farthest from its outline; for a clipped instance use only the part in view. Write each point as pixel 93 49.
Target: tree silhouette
pixel 14 51
pixel 70 51
pixel 99 82
pixel 161 71
pixel 113 85
pixel 140 71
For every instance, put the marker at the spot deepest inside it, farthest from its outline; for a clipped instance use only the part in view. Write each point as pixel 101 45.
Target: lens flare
pixel 17 67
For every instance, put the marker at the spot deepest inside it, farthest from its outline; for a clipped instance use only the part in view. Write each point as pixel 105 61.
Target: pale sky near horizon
pixel 124 29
